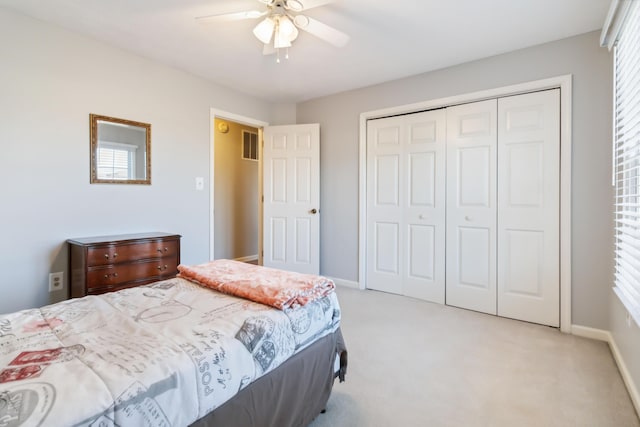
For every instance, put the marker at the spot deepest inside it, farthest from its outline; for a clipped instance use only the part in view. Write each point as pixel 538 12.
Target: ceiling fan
pixel 281 22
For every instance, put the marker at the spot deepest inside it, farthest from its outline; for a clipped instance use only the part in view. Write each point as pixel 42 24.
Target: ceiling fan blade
pixel 310 4
pixel 322 31
pixel 232 16
pixel 268 49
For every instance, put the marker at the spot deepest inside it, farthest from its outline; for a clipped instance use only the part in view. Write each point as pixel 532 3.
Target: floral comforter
pixel 160 355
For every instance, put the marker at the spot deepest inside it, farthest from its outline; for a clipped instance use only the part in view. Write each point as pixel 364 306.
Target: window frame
pixel 622 34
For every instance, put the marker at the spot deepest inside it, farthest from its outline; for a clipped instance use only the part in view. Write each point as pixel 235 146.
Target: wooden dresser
pixel 110 263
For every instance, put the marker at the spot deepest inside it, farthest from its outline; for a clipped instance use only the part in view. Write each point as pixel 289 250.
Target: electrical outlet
pixel 628 319
pixel 56 281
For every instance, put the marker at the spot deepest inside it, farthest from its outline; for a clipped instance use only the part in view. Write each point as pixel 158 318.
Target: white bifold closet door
pixel 406 205
pixel 471 205
pixel 503 212
pixel 529 207
pixel 463 206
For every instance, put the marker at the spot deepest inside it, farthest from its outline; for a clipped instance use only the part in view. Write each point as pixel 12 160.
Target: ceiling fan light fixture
pixel 279 41
pixel 286 29
pixel 264 30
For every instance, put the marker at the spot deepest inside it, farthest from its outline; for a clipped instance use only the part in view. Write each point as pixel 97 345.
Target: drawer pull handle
pixel 161 268
pixel 165 250
pixel 106 256
pixel 115 274
pixel 115 255
pixel 106 276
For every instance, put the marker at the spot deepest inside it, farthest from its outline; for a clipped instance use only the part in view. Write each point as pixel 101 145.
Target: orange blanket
pixel 277 288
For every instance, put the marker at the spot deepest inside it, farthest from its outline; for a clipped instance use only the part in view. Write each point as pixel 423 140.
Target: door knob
pixel 313 211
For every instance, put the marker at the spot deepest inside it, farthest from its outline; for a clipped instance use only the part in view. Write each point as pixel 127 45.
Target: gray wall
pixel 235 195
pixel 50 81
pixel 591 67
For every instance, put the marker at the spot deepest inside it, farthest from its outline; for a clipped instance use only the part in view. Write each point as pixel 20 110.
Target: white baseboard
pixel 247 258
pixel 345 283
pixel 628 381
pixel 593 333
pixel 602 335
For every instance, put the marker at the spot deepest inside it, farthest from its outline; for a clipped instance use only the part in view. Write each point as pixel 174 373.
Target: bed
pixel 172 353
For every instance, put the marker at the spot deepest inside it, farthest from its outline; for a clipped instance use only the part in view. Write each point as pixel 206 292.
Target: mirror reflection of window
pixel 116 161
pixel 117 147
pixel 120 150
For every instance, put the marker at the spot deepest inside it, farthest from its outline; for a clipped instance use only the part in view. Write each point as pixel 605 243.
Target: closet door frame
pixel 564 83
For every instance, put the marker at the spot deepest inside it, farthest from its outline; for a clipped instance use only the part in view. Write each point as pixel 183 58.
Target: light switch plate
pixel 199 183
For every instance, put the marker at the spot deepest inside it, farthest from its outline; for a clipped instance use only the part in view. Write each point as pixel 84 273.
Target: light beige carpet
pixel 413 363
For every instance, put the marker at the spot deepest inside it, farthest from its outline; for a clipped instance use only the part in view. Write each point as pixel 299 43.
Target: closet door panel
pixel 422 241
pixel 406 205
pixel 387 244
pixel 473 257
pixel 474 176
pixel 529 210
pixel 385 152
pixel 471 206
pixel 424 213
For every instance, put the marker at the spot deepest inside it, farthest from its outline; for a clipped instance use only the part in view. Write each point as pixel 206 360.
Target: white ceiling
pixel 389 39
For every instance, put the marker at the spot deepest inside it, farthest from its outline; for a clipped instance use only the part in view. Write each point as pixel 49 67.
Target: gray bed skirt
pixel 292 395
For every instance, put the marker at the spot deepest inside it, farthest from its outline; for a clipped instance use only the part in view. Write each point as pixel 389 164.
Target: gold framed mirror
pixel 120 151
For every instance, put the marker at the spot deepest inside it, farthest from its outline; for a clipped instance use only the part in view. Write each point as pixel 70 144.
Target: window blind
pixel 627 161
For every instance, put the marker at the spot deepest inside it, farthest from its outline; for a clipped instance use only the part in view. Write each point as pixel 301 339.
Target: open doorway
pixel 236 191
pixel 291 240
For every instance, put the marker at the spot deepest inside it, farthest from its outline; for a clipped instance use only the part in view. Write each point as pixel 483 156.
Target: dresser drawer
pixel 112 254
pixel 118 274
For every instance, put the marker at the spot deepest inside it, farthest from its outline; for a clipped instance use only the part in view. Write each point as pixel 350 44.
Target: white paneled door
pixel 406 205
pixel 291 219
pixel 528 207
pixel 471 206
